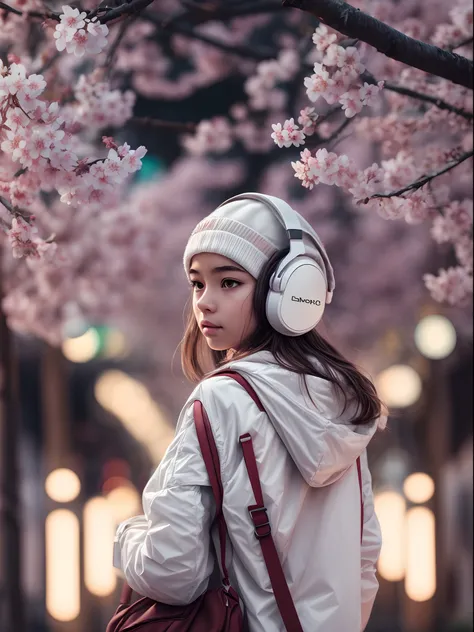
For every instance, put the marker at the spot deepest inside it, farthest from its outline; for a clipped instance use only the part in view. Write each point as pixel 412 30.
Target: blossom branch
pixel 424 180
pixel 198 14
pixel 408 92
pixel 354 23
pixel 464 42
pixel 4 226
pixel 108 63
pixel 7 205
pixel 15 211
pixel 234 49
pixel 51 15
pixel 189 128
pixel 128 8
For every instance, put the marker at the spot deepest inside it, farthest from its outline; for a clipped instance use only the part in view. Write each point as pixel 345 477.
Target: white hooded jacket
pixel 306 457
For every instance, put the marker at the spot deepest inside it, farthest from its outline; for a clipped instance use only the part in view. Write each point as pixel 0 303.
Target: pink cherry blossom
pixel 21 241
pixel 214 136
pixel 72 19
pixel 351 103
pixel 288 135
pixel 131 162
pixel 308 119
pixel 453 286
pixel 78 34
pixel 369 94
pixel 335 56
pixel 323 38
pixel 455 223
pixel 317 84
pixel 97 37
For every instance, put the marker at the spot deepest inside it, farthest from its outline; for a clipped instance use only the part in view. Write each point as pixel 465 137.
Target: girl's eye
pixel 196 285
pixel 229 284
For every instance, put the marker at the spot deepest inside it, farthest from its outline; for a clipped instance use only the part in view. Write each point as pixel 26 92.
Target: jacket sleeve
pixel 371 545
pixel 165 554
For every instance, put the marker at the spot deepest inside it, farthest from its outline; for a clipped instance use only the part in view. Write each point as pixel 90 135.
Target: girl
pixel 321 413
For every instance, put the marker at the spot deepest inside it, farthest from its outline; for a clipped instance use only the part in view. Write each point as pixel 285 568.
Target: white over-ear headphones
pixel 300 287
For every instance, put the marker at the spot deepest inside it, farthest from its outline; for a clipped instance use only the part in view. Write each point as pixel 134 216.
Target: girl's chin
pixel 216 346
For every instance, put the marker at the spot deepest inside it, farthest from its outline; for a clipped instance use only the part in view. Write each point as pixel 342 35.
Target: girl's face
pixel 222 300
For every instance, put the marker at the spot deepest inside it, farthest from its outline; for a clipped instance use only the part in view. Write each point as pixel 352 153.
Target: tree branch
pixel 15 211
pixel 198 14
pixel 128 8
pixel 408 92
pixel 354 23
pixel 113 48
pixel 424 180
pixel 189 128
pixel 51 15
pixel 465 42
pixel 4 226
pixel 233 49
pixel 6 204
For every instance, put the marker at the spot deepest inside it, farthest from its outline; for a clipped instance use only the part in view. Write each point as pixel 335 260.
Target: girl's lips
pixel 208 329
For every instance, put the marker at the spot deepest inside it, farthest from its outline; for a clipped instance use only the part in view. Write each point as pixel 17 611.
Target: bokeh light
pixel 99 532
pixel 390 508
pixel 419 487
pixel 399 386
pixel 435 337
pixel 63 590
pixel 62 485
pixel 83 348
pixel 420 577
pixel 129 400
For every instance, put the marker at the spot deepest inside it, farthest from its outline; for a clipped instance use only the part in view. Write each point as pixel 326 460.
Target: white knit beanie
pixel 250 233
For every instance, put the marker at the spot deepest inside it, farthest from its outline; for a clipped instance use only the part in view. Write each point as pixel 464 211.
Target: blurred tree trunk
pixel 12 613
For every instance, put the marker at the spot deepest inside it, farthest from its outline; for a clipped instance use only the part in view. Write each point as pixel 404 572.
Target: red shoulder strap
pixel 211 460
pixel 359 476
pixel 258 512
pixel 250 390
pixel 262 528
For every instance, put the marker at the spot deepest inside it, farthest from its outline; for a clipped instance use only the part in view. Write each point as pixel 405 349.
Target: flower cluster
pixel 455 224
pixel 262 87
pixel 287 135
pixel 211 136
pixel 336 78
pixel 38 136
pixel 21 238
pixel 98 106
pixel 78 34
pixel 218 134
pixel 452 286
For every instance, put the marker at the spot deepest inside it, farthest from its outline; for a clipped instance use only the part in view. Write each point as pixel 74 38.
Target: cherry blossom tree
pixel 48 145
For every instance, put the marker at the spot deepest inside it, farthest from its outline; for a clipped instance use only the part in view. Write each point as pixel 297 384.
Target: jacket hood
pixel 319 436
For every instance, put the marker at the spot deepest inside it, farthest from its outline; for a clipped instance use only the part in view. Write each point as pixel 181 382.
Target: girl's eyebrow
pixel 220 269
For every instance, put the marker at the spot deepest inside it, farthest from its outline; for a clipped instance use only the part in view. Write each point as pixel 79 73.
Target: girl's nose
pixel 206 303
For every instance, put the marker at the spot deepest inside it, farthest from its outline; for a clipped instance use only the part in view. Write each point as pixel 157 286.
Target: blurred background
pixel 90 379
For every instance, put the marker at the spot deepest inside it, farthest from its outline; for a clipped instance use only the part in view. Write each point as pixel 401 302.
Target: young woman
pixel 321 413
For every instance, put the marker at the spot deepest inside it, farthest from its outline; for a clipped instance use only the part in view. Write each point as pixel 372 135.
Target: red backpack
pixel 216 610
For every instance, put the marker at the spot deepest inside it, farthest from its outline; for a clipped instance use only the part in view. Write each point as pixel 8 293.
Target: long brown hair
pixel 296 354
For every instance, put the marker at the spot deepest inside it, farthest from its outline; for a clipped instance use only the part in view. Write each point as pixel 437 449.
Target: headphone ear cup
pixel 299 305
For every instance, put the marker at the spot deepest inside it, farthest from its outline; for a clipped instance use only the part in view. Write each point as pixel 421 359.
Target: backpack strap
pixel 359 476
pixel 262 528
pixel 211 461
pixel 250 390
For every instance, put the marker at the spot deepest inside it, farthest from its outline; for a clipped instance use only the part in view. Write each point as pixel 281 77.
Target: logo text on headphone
pixel 300 299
